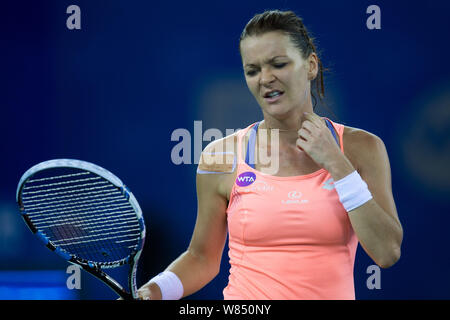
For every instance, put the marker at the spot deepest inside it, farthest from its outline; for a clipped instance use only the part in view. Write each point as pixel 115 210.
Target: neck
pixel 287 127
pixel 291 121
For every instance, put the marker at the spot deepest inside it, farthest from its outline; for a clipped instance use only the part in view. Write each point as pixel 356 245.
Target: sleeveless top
pixel 289 237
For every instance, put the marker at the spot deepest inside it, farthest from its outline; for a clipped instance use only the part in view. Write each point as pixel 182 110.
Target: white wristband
pixel 352 191
pixel 170 285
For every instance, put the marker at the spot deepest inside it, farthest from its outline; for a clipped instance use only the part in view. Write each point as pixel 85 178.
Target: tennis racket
pixel 86 215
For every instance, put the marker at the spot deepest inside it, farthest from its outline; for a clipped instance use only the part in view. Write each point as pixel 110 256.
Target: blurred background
pixel 113 92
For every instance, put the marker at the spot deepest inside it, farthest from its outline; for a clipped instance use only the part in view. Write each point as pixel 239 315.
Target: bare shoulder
pixel 218 166
pixel 363 147
pixel 359 137
pixel 368 154
pixel 219 156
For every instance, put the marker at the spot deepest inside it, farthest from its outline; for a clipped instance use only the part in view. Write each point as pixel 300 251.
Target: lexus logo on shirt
pixel 294 198
pixel 294 194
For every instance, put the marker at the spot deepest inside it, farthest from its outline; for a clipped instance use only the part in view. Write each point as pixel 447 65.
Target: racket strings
pixel 58 184
pixel 71 175
pixel 33 202
pixel 58 194
pixel 71 200
pixel 83 214
pixel 62 188
pixel 94 237
pixel 75 212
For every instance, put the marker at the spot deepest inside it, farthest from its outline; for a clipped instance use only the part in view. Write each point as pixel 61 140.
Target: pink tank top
pixel 289 237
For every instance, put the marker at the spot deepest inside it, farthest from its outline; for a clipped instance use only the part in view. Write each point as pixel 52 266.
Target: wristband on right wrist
pixel 170 285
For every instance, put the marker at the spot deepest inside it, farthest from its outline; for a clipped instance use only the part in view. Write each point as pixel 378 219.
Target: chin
pixel 279 112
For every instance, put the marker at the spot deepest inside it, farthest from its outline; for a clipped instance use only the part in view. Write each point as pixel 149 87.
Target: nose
pixel 266 77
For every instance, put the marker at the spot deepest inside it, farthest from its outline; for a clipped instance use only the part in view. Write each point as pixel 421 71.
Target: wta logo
pixel 245 179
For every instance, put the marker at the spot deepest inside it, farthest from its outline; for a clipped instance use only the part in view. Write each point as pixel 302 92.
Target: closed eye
pixel 279 65
pixel 253 72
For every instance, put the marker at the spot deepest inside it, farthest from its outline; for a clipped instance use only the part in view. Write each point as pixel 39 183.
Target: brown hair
pixel 289 23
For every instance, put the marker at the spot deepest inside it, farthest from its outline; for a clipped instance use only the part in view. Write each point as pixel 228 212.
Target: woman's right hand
pixel 149 291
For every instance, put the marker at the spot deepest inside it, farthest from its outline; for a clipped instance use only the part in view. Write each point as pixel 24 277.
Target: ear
pixel 313 64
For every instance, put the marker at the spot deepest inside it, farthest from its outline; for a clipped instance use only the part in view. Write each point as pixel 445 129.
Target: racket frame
pixel 94 268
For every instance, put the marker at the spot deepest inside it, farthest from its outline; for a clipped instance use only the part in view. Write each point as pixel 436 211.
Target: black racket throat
pixel 98 273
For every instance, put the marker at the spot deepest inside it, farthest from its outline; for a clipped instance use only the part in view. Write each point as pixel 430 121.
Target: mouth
pixel 273 96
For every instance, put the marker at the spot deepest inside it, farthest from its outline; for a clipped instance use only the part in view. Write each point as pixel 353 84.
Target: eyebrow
pixel 269 60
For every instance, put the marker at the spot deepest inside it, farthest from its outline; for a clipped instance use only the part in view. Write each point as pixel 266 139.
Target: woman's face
pixel 277 75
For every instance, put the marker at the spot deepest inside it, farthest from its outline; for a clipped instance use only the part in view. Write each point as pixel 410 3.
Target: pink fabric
pixel 289 237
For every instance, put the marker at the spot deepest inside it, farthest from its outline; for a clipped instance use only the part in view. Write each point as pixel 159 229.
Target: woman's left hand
pixel 316 140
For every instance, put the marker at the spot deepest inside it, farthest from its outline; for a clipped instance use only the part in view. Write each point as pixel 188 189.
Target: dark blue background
pixel 113 92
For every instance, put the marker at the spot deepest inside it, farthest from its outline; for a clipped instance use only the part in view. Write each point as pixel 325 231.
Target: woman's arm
pixel 376 222
pixel 200 263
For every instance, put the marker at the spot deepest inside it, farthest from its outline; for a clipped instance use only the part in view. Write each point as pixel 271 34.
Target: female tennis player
pixel 293 232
